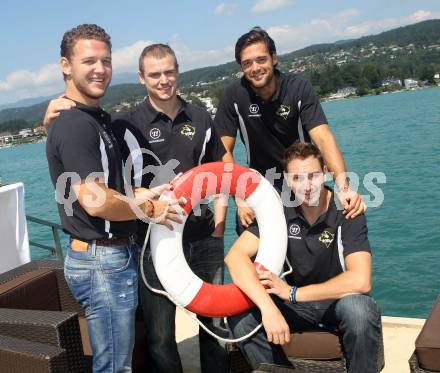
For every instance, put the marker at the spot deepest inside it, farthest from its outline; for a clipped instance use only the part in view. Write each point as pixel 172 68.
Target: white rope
pixel 205 328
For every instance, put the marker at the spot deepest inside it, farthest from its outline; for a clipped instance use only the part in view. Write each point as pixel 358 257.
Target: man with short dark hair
pixel 172 135
pixel 84 161
pixel 177 131
pixel 331 279
pixel 272 110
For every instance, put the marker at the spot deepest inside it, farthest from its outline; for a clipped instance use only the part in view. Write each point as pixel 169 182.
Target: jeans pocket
pixel 80 285
pixel 123 287
pixel 115 259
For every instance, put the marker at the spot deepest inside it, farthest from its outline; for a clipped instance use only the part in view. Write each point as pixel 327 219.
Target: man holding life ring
pixel 169 136
pixel 331 279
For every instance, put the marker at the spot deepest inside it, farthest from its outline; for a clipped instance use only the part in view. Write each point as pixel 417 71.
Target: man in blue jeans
pixel 85 167
pixel 172 136
pixel 331 279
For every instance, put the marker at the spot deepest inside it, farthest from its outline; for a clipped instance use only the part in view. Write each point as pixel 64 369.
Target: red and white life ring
pixel 175 275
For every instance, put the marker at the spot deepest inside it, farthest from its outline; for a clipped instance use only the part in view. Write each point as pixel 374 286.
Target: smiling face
pixel 306 178
pixel 88 71
pixel 160 77
pixel 258 65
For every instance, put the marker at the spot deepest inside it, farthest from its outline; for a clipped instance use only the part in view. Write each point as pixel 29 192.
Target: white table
pixel 14 241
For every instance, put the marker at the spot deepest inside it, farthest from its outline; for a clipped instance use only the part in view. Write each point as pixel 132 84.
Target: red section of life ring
pixel 220 300
pixel 195 185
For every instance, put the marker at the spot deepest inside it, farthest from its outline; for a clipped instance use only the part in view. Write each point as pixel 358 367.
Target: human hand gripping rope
pixel 190 314
pixel 189 290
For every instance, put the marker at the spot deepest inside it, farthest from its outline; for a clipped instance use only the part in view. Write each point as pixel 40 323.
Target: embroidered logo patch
pixel 254 109
pixel 294 231
pixel 283 111
pixel 188 131
pixel 326 238
pixel 155 133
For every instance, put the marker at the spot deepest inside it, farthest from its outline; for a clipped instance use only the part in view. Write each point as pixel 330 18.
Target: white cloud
pixel 47 75
pixel 226 9
pixel 270 5
pixel 126 59
pixel 191 58
pixel 338 26
pixel 48 79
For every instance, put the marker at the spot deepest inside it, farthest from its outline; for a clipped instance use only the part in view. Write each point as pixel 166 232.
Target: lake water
pixel 394 134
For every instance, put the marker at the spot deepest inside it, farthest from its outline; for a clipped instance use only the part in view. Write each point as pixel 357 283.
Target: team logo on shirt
pixel 294 231
pixel 254 109
pixel 326 238
pixel 155 133
pixel 283 111
pixel 188 131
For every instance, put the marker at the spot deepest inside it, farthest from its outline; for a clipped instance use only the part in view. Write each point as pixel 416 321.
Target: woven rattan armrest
pixel 20 355
pixel 59 329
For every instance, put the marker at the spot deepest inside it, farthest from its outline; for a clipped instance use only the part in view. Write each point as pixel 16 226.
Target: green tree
pixel 196 101
pixel 362 87
pixel 427 73
pixel 372 75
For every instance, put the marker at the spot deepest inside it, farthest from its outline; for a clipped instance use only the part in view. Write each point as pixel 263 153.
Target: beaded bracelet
pixel 292 294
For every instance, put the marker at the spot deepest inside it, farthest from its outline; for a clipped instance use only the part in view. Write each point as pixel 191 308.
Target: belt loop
pixel 93 248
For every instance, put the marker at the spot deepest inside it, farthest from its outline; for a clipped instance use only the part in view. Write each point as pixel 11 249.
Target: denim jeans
pixel 104 281
pixel 205 257
pixel 357 317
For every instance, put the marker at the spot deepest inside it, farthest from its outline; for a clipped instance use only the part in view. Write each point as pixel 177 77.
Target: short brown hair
pixel 157 51
pixel 84 31
pixel 302 150
pixel 255 35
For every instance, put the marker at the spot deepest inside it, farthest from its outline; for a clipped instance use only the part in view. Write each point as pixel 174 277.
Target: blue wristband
pixel 292 296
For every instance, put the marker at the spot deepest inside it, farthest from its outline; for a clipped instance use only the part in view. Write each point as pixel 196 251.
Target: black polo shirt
pixel 170 147
pixel 80 140
pixel 267 129
pixel 317 252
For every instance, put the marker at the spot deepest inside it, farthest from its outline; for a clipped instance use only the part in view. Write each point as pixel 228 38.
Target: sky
pixel 202 33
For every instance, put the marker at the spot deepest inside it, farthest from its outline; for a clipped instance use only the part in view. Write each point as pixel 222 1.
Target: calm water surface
pixel 395 134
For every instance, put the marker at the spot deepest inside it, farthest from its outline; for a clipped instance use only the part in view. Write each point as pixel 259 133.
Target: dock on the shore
pixel 399 335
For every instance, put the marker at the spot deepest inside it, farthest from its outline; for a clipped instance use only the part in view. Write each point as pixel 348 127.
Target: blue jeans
pixel 205 257
pixel 357 317
pixel 104 281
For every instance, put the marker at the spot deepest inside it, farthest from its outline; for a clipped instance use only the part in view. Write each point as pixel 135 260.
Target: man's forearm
pixel 244 275
pixel 105 203
pixel 338 287
pixel 220 211
pixel 326 143
pixel 228 157
pixel 229 144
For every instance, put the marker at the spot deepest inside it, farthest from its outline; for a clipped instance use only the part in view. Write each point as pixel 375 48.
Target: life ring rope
pixel 191 315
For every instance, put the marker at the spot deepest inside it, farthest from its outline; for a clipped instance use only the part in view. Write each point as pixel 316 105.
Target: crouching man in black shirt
pixel 100 266
pixel 331 279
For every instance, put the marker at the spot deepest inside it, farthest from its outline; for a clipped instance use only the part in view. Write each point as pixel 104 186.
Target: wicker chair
pixel 39 328
pixel 310 351
pixel 43 328
pixel 426 357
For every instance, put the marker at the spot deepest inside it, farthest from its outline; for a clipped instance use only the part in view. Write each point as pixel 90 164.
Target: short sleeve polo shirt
pixel 317 253
pixel 80 141
pixel 170 147
pixel 268 128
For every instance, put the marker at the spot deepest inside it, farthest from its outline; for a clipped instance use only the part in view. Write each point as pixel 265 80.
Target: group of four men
pixel 329 251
